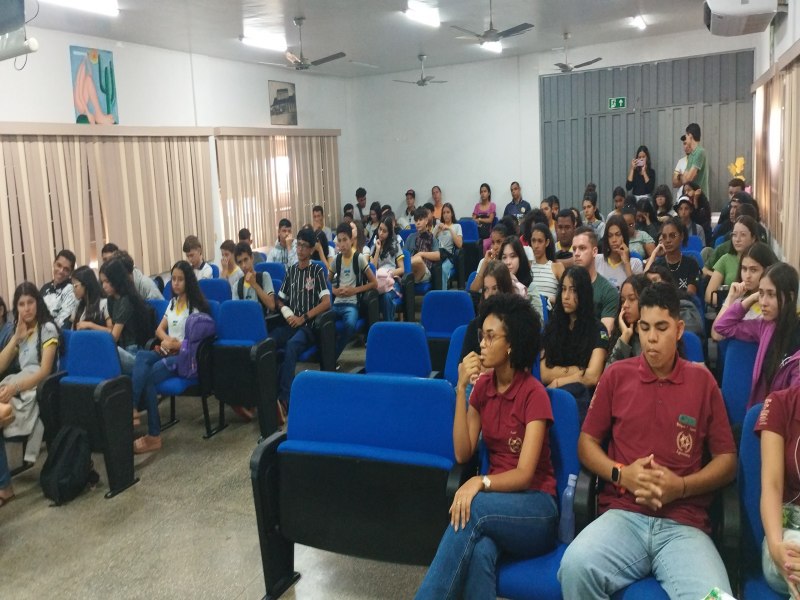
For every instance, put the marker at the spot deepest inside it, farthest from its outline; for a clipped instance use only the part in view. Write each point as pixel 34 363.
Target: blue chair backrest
pixel 213 306
pixel 325 274
pixel 693 347
pixel 536 368
pixel 397 349
pixel 719 241
pixel 384 412
pixel 564 437
pixel 214 270
pixel 444 310
pixel 92 354
pixel 160 306
pixel 216 289
pixel 545 309
pixel 749 481
pixel 695 243
pixel 241 321
pixel 168 290
pixel 469 230
pixel 470 279
pixel 404 233
pixel 737 376
pixel 276 270
pixel 454 355
pixel 695 254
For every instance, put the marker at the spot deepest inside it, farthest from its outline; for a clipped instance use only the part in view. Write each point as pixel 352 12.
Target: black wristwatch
pixel 616 473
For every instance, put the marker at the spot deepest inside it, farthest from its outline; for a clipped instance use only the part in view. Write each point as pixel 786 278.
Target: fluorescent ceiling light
pixel 109 8
pixel 638 22
pixel 265 41
pixel 422 13
pixel 496 47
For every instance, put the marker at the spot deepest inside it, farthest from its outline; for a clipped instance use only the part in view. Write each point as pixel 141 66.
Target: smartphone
pixel 639 162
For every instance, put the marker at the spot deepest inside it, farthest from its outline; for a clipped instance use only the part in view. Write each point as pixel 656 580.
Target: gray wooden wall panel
pixel 582 140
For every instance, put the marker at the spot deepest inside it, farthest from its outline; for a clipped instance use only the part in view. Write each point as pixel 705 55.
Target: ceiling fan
pixel 423 79
pixel 566 66
pixel 301 63
pixel 492 34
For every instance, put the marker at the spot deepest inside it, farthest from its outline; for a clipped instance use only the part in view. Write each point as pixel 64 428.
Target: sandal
pixel 147 443
pixel 246 414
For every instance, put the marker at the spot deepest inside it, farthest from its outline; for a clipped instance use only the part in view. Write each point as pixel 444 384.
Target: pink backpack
pixel 385 280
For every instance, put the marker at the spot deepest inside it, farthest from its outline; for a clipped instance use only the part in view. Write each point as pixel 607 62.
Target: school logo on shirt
pixel 515 443
pixel 685 443
pixel 309 284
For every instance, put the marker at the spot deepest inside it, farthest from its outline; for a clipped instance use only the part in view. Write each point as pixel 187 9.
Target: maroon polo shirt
pixel 679 419
pixel 504 418
pixel 780 415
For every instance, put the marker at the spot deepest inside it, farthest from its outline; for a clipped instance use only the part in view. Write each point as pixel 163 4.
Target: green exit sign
pixel 616 102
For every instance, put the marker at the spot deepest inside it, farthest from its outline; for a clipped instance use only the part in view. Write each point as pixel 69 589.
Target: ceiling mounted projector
pixel 738 17
pixel 12 30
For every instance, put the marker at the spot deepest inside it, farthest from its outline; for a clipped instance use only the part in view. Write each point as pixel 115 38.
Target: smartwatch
pixel 616 473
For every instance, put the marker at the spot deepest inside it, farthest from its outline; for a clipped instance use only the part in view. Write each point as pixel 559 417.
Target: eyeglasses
pixel 669 236
pixel 489 337
pixel 303 245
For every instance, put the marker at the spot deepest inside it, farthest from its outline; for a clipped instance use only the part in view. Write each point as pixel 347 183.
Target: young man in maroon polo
pixel 662 417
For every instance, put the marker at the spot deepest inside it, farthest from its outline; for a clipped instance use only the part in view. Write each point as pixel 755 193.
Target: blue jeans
pixel 149 370
pixel 347 313
pixel 518 523
pixel 447 270
pixel 5 472
pixel 294 342
pixel 127 358
pixel 621 547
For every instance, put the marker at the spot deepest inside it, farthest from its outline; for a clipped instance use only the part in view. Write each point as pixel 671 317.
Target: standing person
pixel 318 221
pixel 57 294
pixel 624 341
pixel 153 367
pixel 641 174
pixel 285 248
pixel 230 270
pixel 92 309
pixel 684 268
pixel 591 216
pixel 360 212
pixel 615 263
pixel 545 271
pixel 194 256
pixel 303 297
pixel 387 257
pixel 697 162
pixel 513 508
pixel 518 207
pixel 669 446
pixel 246 237
pixel 484 212
pixel 436 195
pixel 565 231
pixel 680 168
pixel 604 295
pixel 33 346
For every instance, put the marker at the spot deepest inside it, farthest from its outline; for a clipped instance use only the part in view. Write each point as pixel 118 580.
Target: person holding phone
pixel 641 175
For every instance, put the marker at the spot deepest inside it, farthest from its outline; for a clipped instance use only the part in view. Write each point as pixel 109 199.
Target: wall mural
pixel 94 87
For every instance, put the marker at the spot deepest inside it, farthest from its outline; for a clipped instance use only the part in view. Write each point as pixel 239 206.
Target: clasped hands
pixel 653 485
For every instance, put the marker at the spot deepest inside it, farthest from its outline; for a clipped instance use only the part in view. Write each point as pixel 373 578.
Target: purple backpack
pixel 199 326
pixel 788 374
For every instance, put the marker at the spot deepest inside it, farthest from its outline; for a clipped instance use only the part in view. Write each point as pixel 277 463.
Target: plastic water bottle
pixel 566 524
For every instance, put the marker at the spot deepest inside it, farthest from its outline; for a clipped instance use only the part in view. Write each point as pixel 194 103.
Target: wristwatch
pixel 487 483
pixel 616 474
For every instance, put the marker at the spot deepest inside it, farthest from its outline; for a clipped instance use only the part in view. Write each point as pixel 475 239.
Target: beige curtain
pixel 80 191
pixel 790 159
pixel 264 178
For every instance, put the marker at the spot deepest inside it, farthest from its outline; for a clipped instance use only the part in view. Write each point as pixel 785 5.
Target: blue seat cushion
pixel 532 578
pixel 644 588
pixel 175 386
pixel 758 589
pixel 230 343
pixel 438 335
pixel 75 380
pixel 404 457
pixel 422 288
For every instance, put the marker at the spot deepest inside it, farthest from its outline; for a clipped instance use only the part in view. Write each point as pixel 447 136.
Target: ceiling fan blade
pixel 588 62
pixel 564 66
pixel 363 64
pixel 283 66
pixel 517 30
pixel 438 81
pixel 467 31
pixel 292 58
pixel 429 78
pixel 322 61
pixel 402 81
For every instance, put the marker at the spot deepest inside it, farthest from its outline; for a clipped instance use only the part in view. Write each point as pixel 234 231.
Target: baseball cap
pixel 684 199
pixel 411 193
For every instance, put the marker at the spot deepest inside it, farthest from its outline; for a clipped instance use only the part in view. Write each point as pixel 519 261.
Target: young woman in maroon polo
pixel 512 509
pixel 779 428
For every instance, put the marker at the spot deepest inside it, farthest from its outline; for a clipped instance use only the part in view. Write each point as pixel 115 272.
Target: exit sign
pixel 616 102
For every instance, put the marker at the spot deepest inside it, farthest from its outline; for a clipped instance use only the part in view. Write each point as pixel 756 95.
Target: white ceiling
pixel 375 31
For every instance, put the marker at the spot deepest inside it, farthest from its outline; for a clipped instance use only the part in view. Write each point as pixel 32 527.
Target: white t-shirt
pixel 204 272
pixel 616 275
pixel 680 167
pixel 176 320
pixel 445 237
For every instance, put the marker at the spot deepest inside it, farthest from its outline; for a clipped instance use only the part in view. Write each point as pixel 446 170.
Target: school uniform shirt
pixel 780 415
pixel 233 279
pixel 60 301
pixel 616 275
pixel 347 276
pixel 303 289
pixel 504 417
pixel 176 319
pixel 204 272
pixel 281 254
pixel 680 419
pixel 101 317
pixel 685 272
pixel 249 292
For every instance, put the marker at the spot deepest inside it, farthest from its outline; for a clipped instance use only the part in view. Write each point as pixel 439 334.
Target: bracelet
pixel 683 495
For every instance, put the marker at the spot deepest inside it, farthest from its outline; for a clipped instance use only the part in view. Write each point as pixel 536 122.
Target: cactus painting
pixel 94 86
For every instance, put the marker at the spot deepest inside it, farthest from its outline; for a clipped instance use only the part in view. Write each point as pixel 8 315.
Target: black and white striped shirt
pixel 303 289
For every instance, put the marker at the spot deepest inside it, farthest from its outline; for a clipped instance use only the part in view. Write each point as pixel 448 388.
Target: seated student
pixel 776 330
pixel 33 346
pixel 514 258
pixel 640 240
pixel 130 316
pixel 618 202
pixel 546 206
pixel 347 213
pixel 575 342
pixel 146 287
pixel 153 367
pixel 498 236
pixel 92 309
pixel 285 248
pixel 318 221
pixel 566 222
pixel 350 276
pixel 58 295
pixel 246 237
pixel 448 234
pixel 303 296
pixel 755 260
pixel 669 447
pixel 777 426
pixel 662 199
pixel 229 269
pixel 685 210
pixel 6 324
pixel 701 213
pixel 745 234
pixel 624 341
pixel 615 263
pixel 591 215
pixel 726 214
pixel 194 255
pixel 684 269
pixel 711 256
pixel 322 250
pixel 646 221
pixel 604 295
pixel 387 257
pixel 423 246
pixel 690 314
pixel 497 280
pixel 545 271
pixel 512 510
pixel 373 220
pixel 252 285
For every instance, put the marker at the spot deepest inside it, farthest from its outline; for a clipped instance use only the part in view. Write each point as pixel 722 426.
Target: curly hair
pixel 522 327
pixel 584 329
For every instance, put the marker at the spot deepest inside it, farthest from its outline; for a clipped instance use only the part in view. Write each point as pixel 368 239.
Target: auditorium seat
pixel 410 355
pixel 737 375
pixel 442 312
pixel 216 289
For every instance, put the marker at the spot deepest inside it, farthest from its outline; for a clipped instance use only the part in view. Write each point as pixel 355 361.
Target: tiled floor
pixel 186 530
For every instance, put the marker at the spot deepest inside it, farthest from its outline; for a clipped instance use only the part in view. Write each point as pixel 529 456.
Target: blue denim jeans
pixel 127 358
pixel 621 547
pixel 348 314
pixel 447 271
pixel 293 342
pixel 386 302
pixel 149 370
pixel 517 523
pixel 5 472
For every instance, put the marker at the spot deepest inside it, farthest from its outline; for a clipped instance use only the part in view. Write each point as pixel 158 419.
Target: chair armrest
pixel 726 526
pixel 435 375
pixel 359 370
pixel 409 297
pixel 585 503
pixel 264 357
pixel 151 343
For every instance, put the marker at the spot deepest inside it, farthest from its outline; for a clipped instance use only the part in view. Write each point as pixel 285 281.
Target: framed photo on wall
pixel 282 103
pixel 94 87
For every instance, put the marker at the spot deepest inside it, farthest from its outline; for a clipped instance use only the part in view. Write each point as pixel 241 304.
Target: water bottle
pixel 566 524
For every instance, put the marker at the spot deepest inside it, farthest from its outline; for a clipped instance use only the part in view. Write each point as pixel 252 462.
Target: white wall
pixel 787 32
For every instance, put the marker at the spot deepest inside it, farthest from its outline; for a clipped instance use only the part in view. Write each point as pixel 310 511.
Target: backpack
pixel 788 373
pixel 385 280
pixel 199 326
pixel 359 273
pixel 240 288
pixel 68 469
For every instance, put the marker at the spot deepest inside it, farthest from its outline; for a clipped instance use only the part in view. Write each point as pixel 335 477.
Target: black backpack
pixel 68 469
pixel 240 289
pixel 337 272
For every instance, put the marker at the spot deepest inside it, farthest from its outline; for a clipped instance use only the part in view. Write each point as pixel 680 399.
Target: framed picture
pixel 94 87
pixel 282 103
